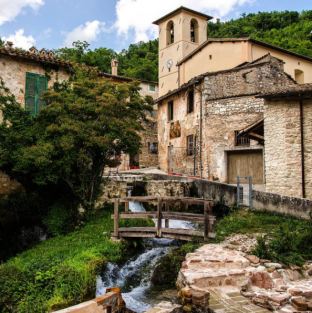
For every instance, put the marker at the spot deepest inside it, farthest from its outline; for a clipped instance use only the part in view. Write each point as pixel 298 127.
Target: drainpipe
pixel 200 130
pixel 302 147
pixel 178 76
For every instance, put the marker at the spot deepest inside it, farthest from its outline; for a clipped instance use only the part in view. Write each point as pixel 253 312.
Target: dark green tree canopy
pixel 67 146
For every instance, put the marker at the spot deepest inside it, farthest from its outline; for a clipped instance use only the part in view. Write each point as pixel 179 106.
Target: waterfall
pixel 134 276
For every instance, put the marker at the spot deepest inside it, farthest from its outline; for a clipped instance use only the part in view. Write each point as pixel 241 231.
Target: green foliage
pixel 139 61
pixel 288 29
pixel 287 239
pixel 56 221
pixel 61 153
pixel 60 271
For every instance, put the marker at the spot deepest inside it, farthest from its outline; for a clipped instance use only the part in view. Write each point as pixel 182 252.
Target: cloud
pixel 9 9
pixel 88 32
pixel 138 15
pixel 21 41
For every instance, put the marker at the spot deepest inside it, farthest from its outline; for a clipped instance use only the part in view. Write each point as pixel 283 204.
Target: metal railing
pixel 244 191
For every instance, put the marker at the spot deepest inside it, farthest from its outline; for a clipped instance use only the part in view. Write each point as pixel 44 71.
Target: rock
pixel 261 269
pixel 307 294
pixel 271 269
pixel 264 261
pixel 252 258
pixel 292 275
pixel 309 306
pixel 295 291
pixel 248 294
pixel 280 299
pixel 299 304
pixel 279 283
pixel 254 264
pixel 284 287
pixel 275 265
pixel 261 280
pixel 276 275
pixel 309 272
pixel 295 268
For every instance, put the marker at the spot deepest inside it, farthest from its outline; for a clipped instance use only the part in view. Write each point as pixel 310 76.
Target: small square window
pixel 210 56
pixel 240 141
pixel 170 111
pixel 190 102
pixel 190 145
pixel 152 88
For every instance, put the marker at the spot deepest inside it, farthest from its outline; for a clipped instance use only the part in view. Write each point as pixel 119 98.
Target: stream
pixel 134 276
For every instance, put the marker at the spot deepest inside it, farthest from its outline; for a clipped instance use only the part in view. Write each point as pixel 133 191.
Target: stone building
pixel 185 51
pixel 199 123
pixel 25 74
pixel 286 129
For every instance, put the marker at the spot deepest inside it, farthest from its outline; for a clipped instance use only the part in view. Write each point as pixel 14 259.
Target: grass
pixel 61 271
pixel 287 239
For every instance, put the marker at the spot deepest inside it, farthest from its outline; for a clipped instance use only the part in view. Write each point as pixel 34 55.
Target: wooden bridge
pixel 164 232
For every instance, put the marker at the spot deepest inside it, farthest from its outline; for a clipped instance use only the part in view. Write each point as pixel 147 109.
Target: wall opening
pixel 299 76
pixel 194 30
pixel 170 33
pixel 190 101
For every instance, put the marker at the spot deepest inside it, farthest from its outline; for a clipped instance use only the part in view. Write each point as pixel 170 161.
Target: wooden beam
pixel 116 204
pixel 126 207
pixel 255 135
pixel 167 210
pixel 159 217
pixel 206 221
pixel 137 215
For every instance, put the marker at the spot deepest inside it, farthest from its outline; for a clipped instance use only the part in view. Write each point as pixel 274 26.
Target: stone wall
pixel 149 135
pixel 7 185
pixel 283 146
pixel 118 188
pixel 271 202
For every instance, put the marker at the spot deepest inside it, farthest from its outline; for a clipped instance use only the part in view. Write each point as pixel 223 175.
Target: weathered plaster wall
pixel 13 71
pixel 283 146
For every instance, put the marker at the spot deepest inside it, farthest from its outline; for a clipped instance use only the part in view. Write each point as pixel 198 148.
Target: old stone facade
pixel 229 104
pixel 283 153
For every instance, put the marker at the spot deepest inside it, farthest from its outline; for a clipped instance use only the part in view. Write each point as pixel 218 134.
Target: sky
pixel 113 24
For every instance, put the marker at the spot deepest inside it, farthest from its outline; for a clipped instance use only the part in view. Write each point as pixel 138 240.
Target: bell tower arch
pixel 180 32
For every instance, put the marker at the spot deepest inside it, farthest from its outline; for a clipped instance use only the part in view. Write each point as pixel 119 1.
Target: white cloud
pixel 21 41
pixel 9 9
pixel 88 32
pixel 138 15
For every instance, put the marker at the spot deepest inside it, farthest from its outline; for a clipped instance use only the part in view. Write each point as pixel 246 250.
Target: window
pixel 152 88
pixel 194 30
pixel 35 86
pixel 190 145
pixel 190 102
pixel 153 147
pixel 170 110
pixel 210 56
pixel 240 141
pixel 170 33
pixel 299 76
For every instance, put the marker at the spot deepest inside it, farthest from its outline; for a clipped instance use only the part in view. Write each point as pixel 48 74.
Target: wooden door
pixel 245 163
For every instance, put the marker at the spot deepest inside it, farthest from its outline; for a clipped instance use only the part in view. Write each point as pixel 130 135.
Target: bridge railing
pixel 205 218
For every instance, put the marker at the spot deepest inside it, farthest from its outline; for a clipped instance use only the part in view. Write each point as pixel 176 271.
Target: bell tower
pixel 180 32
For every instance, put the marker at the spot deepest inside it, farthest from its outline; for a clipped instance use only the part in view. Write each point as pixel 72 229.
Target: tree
pixel 62 152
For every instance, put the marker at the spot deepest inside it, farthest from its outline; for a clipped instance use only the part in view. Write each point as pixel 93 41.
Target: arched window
pixel 299 76
pixel 194 30
pixel 170 33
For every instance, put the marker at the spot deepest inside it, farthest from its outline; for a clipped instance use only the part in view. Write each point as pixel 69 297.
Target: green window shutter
pixel 31 87
pixel 42 87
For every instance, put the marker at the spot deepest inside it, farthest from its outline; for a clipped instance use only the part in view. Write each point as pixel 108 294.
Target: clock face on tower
pixel 169 63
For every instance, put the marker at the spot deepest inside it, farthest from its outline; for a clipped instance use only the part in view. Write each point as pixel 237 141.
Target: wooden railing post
pixel 167 210
pixel 159 217
pixel 206 220
pixel 116 218
pixel 127 207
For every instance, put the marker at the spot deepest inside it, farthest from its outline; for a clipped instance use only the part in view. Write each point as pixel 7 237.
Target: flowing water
pixel 134 276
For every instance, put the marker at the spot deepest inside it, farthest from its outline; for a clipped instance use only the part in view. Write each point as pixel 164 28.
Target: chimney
pixel 114 65
pixel 9 45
